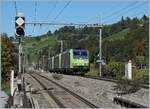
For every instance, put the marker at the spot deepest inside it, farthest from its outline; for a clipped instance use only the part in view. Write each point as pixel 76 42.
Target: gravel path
pixel 3 99
pixel 98 91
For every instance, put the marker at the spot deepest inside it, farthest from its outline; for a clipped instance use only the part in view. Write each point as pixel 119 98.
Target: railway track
pixel 38 95
pixel 62 96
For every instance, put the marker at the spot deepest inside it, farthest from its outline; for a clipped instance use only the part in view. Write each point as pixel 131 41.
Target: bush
pixel 113 70
pixel 34 44
pixel 142 74
pixel 6 87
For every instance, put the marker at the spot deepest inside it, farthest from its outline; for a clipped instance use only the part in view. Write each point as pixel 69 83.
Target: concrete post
pixel 129 69
pixel 126 70
pixel 12 82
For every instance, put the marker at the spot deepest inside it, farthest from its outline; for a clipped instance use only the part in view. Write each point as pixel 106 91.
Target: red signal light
pixel 19 31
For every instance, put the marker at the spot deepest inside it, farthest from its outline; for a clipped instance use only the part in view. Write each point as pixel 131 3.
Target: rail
pixel 72 93
pixel 49 93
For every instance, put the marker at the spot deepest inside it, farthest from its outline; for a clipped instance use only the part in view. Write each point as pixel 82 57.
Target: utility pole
pixel 100 47
pixel 24 61
pixel 48 58
pixel 20 57
pixel 61 45
pixel 100 51
pixel 43 62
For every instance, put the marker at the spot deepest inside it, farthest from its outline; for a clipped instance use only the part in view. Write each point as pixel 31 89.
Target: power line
pixel 16 8
pixel 118 11
pixel 137 14
pixel 61 11
pixel 35 12
pixel 50 12
pixel 118 4
pixel 128 10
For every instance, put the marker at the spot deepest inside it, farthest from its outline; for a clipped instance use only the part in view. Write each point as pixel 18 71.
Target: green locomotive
pixel 73 61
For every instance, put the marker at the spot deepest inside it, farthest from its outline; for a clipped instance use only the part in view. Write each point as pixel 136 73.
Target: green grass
pixel 118 36
pixel 32 46
pixel 6 87
pixel 141 73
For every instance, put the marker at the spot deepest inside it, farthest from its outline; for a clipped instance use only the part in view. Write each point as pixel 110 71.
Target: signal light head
pixel 20 31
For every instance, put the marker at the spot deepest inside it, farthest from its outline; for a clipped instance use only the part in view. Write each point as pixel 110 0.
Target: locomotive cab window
pixel 83 53
pixel 76 53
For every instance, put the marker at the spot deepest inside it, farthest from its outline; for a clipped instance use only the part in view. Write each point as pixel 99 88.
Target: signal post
pixel 20 26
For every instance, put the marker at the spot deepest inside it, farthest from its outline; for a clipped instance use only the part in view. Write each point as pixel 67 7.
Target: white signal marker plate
pixel 19 21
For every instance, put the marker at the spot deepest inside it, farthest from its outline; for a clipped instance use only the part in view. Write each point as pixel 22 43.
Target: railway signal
pixel 20 25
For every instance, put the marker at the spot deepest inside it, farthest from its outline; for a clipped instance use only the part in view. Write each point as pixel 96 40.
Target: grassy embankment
pixel 6 87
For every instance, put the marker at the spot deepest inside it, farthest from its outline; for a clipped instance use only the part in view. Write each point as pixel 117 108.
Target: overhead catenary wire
pixel 127 10
pixel 35 12
pixel 16 11
pixel 52 9
pixel 50 12
pixel 120 10
pixel 117 11
pixel 124 9
pixel 61 11
pixel 135 14
pixel 110 8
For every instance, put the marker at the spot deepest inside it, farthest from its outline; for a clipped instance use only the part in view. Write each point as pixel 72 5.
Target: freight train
pixel 72 61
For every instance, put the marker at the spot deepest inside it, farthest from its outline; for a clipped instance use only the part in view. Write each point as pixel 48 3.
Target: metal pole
pixel 20 64
pixel 43 63
pixel 61 42
pixel 100 51
pixel 24 62
pixel 20 55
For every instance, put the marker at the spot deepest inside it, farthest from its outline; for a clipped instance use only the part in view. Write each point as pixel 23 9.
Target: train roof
pixel 66 51
pixel 79 48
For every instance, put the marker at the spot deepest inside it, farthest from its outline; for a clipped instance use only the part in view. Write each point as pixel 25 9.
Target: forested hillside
pixel 124 40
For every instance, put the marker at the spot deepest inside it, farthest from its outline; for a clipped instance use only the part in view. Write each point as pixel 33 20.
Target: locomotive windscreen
pixel 80 53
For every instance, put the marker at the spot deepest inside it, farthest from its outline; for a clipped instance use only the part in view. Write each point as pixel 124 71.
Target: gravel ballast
pixel 98 91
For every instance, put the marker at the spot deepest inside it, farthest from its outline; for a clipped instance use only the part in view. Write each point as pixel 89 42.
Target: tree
pixel 145 18
pixel 49 32
pixel 7 55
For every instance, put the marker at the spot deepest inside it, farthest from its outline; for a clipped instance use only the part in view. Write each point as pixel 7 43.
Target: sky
pixel 77 11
